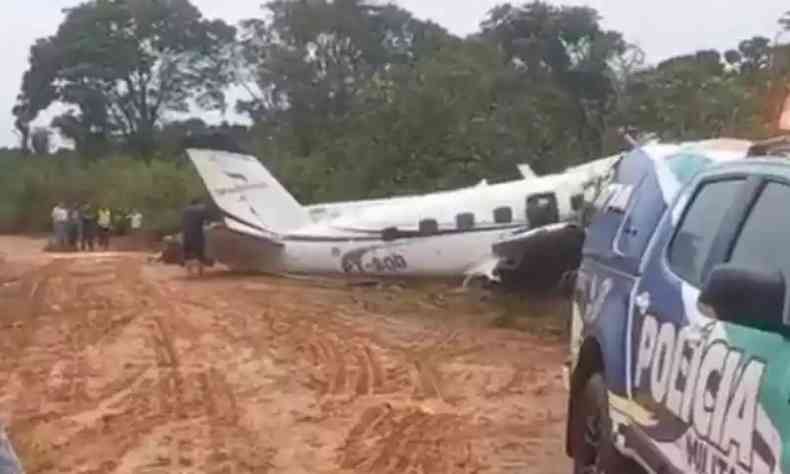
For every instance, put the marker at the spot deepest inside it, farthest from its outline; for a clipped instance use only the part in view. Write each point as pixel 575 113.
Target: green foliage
pixel 363 101
pixel 352 99
pixel 123 64
pixel 32 186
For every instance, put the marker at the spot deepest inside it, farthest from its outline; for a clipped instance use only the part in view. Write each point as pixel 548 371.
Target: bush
pixel 31 186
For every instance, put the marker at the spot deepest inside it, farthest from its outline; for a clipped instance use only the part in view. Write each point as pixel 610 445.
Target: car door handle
pixel 642 302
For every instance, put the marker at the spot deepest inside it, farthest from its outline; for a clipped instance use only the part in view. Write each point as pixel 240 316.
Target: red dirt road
pixel 113 365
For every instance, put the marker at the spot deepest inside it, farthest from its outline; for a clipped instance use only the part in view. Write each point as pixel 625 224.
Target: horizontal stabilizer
pixel 244 229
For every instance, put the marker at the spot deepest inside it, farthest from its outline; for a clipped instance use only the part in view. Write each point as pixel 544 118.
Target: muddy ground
pixel 113 364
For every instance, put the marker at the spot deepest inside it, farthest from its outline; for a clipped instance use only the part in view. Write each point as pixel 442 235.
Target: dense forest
pixel 351 99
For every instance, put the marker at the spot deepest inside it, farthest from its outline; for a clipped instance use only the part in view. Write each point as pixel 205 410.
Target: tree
pixel 753 55
pixel 122 64
pixel 567 46
pixel 313 57
pixel 694 96
pixel 40 140
pixel 38 88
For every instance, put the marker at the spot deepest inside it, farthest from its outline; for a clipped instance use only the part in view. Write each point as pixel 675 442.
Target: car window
pixel 766 234
pixel 693 241
pixel 685 165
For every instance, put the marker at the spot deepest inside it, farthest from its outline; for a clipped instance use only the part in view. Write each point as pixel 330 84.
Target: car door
pixel 616 241
pixel 762 435
pixel 698 384
pixel 605 279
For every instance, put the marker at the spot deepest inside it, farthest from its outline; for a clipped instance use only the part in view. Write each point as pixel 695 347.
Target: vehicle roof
pixel 768 165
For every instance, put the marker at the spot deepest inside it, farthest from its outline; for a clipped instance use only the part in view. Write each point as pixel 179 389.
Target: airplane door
pixel 542 210
pixel 756 424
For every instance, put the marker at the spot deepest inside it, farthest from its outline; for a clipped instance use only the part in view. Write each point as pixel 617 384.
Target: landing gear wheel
pixel 593 446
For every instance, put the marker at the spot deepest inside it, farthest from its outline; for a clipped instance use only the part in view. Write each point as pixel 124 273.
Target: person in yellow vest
pixel 104 223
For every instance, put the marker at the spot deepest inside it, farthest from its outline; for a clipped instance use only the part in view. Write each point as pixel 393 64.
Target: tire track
pixel 340 368
pixel 428 380
pixel 387 441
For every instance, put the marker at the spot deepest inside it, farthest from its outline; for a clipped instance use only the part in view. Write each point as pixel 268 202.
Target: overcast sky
pixel 662 28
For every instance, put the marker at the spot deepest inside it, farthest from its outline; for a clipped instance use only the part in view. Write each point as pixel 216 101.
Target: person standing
pixel 60 217
pixel 104 222
pixel 74 227
pixel 193 219
pixel 135 221
pixel 88 228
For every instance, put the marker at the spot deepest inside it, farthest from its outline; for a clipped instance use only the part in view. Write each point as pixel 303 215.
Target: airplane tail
pixel 248 195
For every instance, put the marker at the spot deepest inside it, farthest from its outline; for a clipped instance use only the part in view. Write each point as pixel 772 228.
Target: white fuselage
pixel 450 254
pixel 448 233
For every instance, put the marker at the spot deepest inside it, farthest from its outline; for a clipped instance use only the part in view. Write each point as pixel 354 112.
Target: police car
pixel 680 361
pixel 9 463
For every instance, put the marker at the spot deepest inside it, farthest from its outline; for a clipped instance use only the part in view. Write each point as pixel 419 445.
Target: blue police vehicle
pixel 680 358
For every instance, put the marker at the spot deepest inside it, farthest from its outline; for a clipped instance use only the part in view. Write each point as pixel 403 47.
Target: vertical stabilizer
pixel 247 193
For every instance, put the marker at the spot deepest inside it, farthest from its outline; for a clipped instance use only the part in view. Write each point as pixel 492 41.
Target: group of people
pixel 78 227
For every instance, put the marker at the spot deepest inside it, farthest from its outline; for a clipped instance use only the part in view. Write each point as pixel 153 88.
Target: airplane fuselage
pixel 439 255
pixel 449 233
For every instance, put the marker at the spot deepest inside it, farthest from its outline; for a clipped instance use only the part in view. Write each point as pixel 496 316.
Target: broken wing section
pixel 538 258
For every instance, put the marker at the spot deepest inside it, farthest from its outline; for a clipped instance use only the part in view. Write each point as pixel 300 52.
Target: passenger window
pixel 465 221
pixel 389 234
pixel 693 241
pixel 503 215
pixel 429 226
pixel 765 235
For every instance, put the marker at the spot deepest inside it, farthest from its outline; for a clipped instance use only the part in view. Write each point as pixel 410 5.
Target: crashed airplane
pixel 446 234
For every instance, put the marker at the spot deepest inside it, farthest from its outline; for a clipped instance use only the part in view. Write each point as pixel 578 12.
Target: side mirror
pixel 747 296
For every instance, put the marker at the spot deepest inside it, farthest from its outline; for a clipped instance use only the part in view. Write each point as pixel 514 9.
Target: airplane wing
pixel 537 257
pixel 542 256
pixel 520 243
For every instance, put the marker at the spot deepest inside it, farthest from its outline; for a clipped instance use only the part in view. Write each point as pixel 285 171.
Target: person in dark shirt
pixel 89 228
pixel 193 219
pixel 74 227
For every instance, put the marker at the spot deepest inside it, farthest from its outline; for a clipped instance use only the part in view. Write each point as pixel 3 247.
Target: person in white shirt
pixel 105 226
pixel 135 220
pixel 60 218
